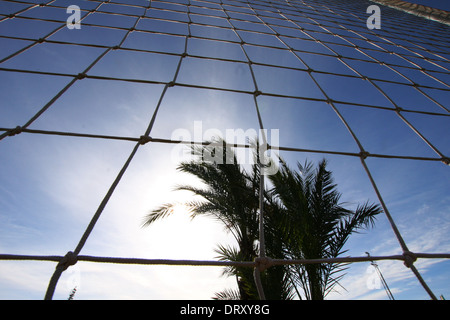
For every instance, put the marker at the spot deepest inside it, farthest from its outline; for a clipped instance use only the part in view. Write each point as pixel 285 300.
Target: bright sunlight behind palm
pixel 303 220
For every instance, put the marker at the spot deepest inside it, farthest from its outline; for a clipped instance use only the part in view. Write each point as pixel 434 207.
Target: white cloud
pixel 431 235
pixel 24 279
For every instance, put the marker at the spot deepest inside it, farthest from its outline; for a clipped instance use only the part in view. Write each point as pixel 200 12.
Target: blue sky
pixel 50 186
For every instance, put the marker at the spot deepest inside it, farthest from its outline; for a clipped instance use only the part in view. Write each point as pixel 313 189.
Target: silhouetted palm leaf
pixel 303 219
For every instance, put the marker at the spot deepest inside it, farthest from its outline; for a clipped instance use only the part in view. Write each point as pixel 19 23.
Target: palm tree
pixel 315 225
pixel 302 220
pixel 231 195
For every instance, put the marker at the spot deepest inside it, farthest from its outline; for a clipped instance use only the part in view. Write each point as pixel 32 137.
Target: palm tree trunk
pixel 315 283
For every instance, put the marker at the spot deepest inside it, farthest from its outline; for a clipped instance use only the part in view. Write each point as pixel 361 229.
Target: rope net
pixel 107 101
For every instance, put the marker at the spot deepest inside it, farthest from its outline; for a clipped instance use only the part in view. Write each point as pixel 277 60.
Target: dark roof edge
pixel 430 13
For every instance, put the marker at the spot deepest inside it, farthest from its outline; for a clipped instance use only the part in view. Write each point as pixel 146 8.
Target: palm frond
pixel 227 294
pixel 303 219
pixel 228 253
pixel 162 212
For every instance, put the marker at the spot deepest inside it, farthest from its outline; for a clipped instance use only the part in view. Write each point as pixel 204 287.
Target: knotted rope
pixel 263 263
pixel 68 260
pixel 409 258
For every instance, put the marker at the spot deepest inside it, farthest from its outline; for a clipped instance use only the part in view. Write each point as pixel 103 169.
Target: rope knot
pixel 81 76
pixel 69 260
pixel 364 154
pixel 262 263
pixel 15 131
pixel 410 258
pixel 144 139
